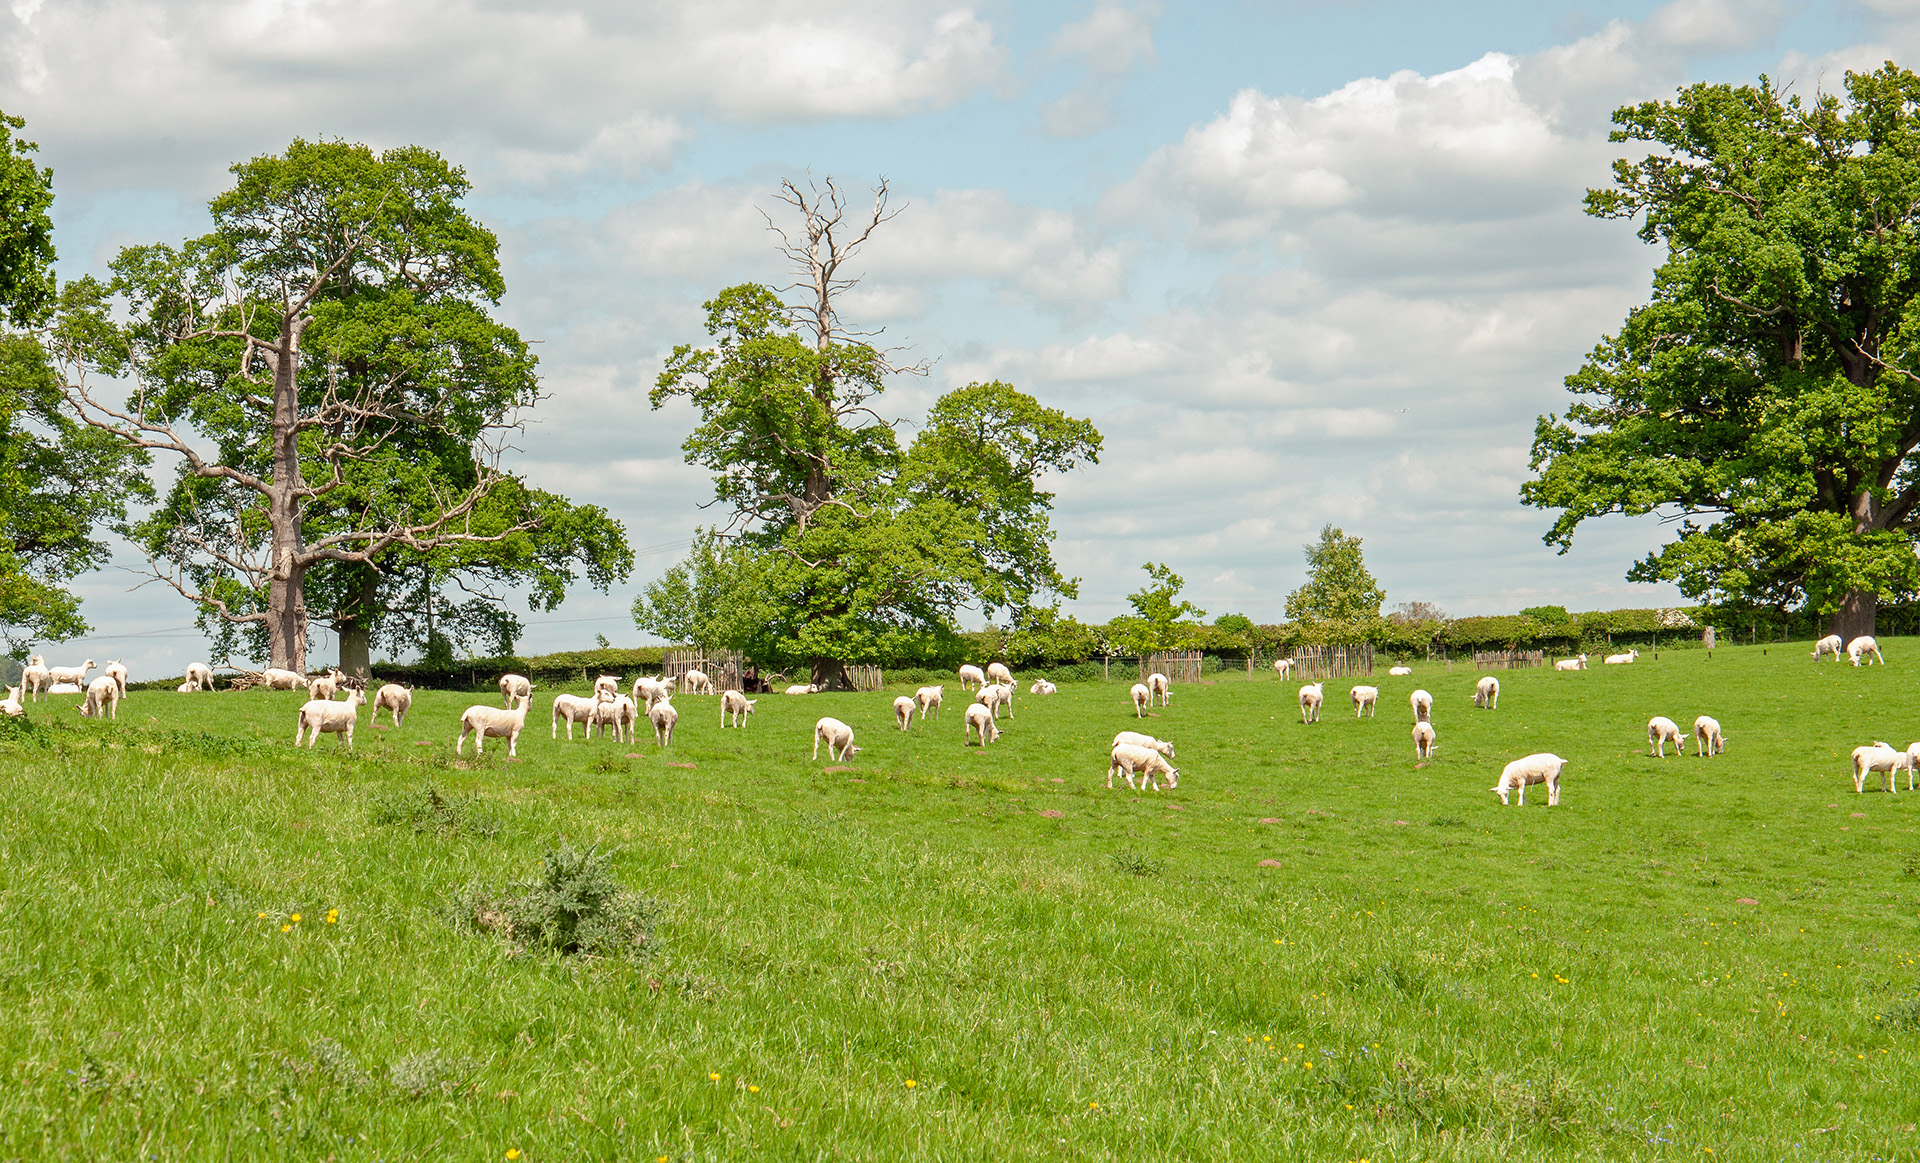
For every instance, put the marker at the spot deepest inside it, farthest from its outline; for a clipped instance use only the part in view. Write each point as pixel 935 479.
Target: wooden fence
pixel 1178 665
pixel 864 678
pixel 1314 663
pixel 724 667
pixel 1508 659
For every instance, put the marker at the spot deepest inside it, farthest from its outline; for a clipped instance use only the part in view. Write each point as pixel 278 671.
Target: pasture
pixel 940 952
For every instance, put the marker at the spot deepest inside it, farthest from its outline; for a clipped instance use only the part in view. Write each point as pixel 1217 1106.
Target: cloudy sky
pixel 1301 262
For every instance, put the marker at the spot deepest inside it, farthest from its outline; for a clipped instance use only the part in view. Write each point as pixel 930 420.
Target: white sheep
pixel 200 675
pixel 512 686
pixel 1136 739
pixel 1578 662
pixel 698 682
pixel 1622 659
pixel 1540 767
pixel 648 690
pixel 36 677
pixel 103 699
pixel 10 706
pixel 1707 739
pixel 972 674
pixel 185 688
pixel 1422 704
pixel 484 722
pixel 996 695
pixel 117 671
pixel 1863 645
pixel 1486 693
pixel 1913 758
pixel 1311 697
pixel 323 689
pixel 395 700
pixel 903 711
pixel 803 688
pixel 998 672
pixel 609 683
pixel 1366 700
pixel 1399 671
pixel 1283 667
pixel 1161 686
pixel 333 718
pixel 1881 757
pixel 979 719
pixel 837 736
pixel 616 712
pixel 736 704
pixel 1131 760
pixel 928 699
pixel 663 717
pixel 1661 731
pixel 77 675
pixel 1142 699
pixel 1828 645
pixel 572 708
pixel 282 680
pixel 1042 687
pixel 1423 740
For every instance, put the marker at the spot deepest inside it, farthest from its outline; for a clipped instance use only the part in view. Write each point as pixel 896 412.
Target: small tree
pixel 1161 618
pixel 1340 598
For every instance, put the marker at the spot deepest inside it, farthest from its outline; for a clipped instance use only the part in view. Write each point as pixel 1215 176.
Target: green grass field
pixel 945 953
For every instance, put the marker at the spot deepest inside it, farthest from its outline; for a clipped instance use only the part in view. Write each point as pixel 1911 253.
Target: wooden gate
pixel 1313 663
pixel 1178 665
pixel 863 678
pixel 1508 659
pixel 722 666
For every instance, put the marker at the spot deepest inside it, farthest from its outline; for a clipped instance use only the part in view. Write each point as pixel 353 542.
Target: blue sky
pixel 1300 262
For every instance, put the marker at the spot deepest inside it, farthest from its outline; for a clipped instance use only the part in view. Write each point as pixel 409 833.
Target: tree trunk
pixel 1855 615
pixel 829 675
pixel 355 623
pixel 286 593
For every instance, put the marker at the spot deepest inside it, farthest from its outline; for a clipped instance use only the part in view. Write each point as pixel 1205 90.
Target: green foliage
pixel 575 905
pixel 1500 631
pixel 26 230
pixel 1133 862
pixel 1161 619
pixel 1340 601
pixel 1042 637
pixel 427 810
pixel 1548 615
pixel 716 596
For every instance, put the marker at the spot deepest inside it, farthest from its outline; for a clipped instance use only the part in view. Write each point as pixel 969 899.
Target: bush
pixel 575 905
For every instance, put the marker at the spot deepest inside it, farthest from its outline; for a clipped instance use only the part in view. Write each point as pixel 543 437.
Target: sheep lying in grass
pixel 972 675
pixel 1311 697
pixel 10 706
pixel 282 680
pixel 979 720
pixel 1142 699
pixel 1486 693
pixel 1541 767
pixel 663 716
pixel 803 688
pixel 200 676
pixel 1145 762
pixel 36 677
pixel 903 711
pixel 1365 700
pixel 185 688
pixel 1423 740
pixel 397 700
pixel 1662 731
pixel 512 686
pixel 117 671
pixel 1399 671
pixel 1864 645
pixel 1623 659
pixel 1042 687
pixel 1422 704
pixel 1579 662
pixel 994 696
pixel 1707 739
pixel 573 709
pixel 334 718
pixel 697 682
pixel 1137 739
pixel 1828 645
pixel 998 672
pixel 103 699
pixel 927 698
pixel 483 722
pixel 737 705
pixel 1161 686
pixel 1283 667
pixel 837 736
pixel 1881 757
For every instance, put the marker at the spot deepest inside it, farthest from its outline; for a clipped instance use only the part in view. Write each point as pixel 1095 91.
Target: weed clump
pixel 574 906
pixel 1129 861
pixel 427 810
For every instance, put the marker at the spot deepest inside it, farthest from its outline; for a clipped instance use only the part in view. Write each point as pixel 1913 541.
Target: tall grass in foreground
pixel 212 946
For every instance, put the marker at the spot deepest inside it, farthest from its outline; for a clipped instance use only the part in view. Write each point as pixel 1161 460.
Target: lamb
pixel 1365 700
pixel 10 706
pixel 1042 687
pixel 837 736
pixel 77 675
pixel 1486 693
pixel 928 698
pixel 1422 704
pixel 1881 757
pixel 1142 699
pixel 482 722
pixel 998 672
pixel 698 682
pixel 1629 656
pixel 334 718
pixel 1145 762
pixel 200 675
pixel 1283 667
pixel 1828 645
pixel 1540 767
pixel 996 695
pixel 397 700
pixel 1707 739
pixel 1137 739
pixel 1913 759
pixel 36 678
pixel 649 690
pixel 512 686
pixel 1578 662
pixel 572 708
pixel 903 711
pixel 808 688
pixel 1423 740
pixel 185 688
pixel 323 689
pixel 618 712
pixel 1863 645
pixel 737 705
pixel 1661 731
pixel 1399 671
pixel 282 680
pixel 1311 696
pixel 609 683
pixel 103 699
pixel 974 675
pixel 117 671
pixel 663 717
pixel 980 719
pixel 1161 686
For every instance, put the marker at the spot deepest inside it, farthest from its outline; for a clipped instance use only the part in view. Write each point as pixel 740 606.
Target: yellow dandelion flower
pixel 286 928
pixel 1299 1045
pixel 911 1084
pixel 753 1090
pixel 1093 1106
pixel 262 916
pixel 660 1159
pixel 296 918
pixel 714 1077
pixel 513 1152
pixel 1308 1065
pixel 1266 1037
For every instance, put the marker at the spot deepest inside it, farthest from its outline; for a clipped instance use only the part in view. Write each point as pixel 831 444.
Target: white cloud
pixel 1109 43
pixel 1716 25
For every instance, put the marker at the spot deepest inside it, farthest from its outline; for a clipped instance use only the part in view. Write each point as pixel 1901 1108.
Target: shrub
pixel 1135 863
pixel 575 905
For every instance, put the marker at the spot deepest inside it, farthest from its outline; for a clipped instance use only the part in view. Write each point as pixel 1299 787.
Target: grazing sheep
pixel 397 700
pixel 484 722
pixel 572 708
pixel 736 704
pixel 928 699
pixel 1623 659
pixel 200 675
pixel 697 682
pixel 1161 686
pixel 996 695
pixel 1399 671
pixel 1707 739
pixel 1661 731
pixel 77 675
pixel 512 686
pixel 1311 697
pixel 1863 645
pixel 618 712
pixel 323 689
pixel 1541 767
pixel 837 736
pixel 1142 699
pixel 10 706
pixel 1828 645
pixel 1366 700
pixel 1881 757
pixel 334 718
pixel 1131 760
pixel 998 672
pixel 1136 739
pixel 1486 693
pixel 974 675
pixel 1042 687
pixel 282 680
pixel 903 711
pixel 799 688
pixel 117 671
pixel 1283 667
pixel 663 717
pixel 1423 740
pixel 36 678
pixel 1578 662
pixel 980 719
pixel 609 683
pixel 1422 704
pixel 103 699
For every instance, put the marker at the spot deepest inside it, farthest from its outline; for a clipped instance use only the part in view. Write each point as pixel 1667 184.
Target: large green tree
pixel 1768 394
pixel 1340 600
pixel 325 365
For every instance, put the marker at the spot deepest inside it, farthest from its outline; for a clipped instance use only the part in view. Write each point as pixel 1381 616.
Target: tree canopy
pixel 1339 596
pixel 1768 395
pixel 1160 616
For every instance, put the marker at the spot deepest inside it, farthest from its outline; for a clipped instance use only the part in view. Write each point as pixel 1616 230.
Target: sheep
pixel 512 686
pixel 980 719
pixel 609 683
pixel 1399 671
pixel 1863 645
pixel 663 717
pixel 1365 700
pixel 837 736
pixel 1913 759
pixel 1422 704
pixel 323 689
pixel 737 705
pixel 998 672
pixel 1130 760
pixel 76 675
pixel 996 695
pixel 1881 757
pixel 1486 693
pixel 117 671
pixel 974 675
pixel 1578 662
pixel 1142 699
pixel 1661 731
pixel 572 708
pixel 808 688
pixel 903 711
pixel 334 718
pixel 397 700
pixel 1623 659
pixel 103 699
pixel 1311 696
pixel 1042 687
pixel 698 682
pixel 1707 739
pixel 928 699
pixel 648 690
pixel 1161 686
pixel 1283 667
pixel 1828 645
pixel 483 721
pixel 185 688
pixel 1540 767
pixel 200 675
pixel 282 680
pixel 1137 739
pixel 1423 740
pixel 36 677
pixel 10 706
